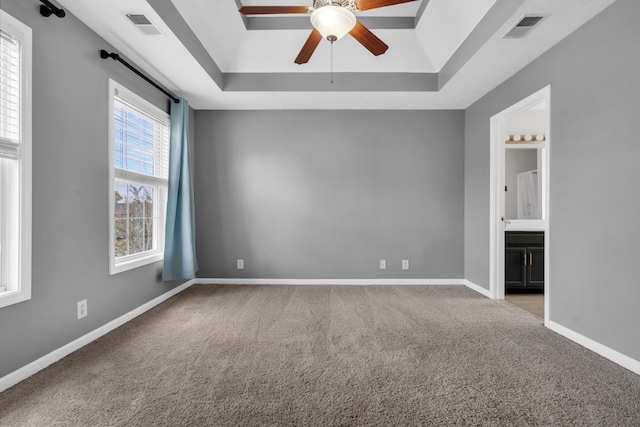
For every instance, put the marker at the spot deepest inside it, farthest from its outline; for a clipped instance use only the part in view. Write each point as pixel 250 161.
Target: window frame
pixel 18 283
pixel 128 262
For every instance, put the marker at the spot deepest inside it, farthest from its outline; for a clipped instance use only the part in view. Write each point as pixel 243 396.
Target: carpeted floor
pixel 328 355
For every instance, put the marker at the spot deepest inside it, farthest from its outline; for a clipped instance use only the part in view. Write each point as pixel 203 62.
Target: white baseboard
pixel 46 360
pixel 431 282
pixel 613 355
pixel 479 289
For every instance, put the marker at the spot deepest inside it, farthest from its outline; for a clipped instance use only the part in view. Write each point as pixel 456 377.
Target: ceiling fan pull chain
pixel 331 62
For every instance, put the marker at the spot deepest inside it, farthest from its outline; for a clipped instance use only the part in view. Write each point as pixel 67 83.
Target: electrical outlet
pixel 383 264
pixel 82 309
pixel 405 264
pixel 240 264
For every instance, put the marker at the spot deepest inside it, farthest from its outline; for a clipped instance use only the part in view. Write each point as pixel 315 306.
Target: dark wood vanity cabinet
pixel 524 261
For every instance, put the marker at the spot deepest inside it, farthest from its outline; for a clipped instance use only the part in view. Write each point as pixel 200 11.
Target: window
pixel 139 164
pixel 15 161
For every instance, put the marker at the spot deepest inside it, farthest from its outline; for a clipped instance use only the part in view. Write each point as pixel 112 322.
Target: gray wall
pixel 594 207
pixel 327 194
pixel 70 178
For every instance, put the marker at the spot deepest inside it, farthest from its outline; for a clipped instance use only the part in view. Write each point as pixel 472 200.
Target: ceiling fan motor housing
pixel 333 22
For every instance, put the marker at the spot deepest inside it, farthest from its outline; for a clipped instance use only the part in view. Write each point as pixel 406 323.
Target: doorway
pixel 519 190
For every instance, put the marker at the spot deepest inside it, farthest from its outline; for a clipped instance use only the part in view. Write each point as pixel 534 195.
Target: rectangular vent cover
pixel 529 21
pixel 143 23
pixel 523 27
pixel 138 19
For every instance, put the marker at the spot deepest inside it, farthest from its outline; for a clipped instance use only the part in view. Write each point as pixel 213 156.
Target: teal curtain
pixel 180 239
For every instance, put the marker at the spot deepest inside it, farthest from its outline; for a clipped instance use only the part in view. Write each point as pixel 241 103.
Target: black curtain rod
pixel 47 9
pixel 104 55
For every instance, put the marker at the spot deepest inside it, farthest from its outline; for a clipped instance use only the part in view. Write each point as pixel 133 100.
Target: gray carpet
pixel 328 355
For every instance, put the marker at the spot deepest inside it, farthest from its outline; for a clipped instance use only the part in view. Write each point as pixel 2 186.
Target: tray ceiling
pixel 443 54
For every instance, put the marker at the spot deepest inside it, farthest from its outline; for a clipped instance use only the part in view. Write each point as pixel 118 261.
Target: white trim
pixel 136 260
pixel 25 166
pixel 496 195
pixel 613 355
pixel 34 367
pixel 358 282
pixel 479 289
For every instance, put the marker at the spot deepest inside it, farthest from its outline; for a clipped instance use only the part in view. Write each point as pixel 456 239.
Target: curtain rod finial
pixel 104 55
pixel 47 9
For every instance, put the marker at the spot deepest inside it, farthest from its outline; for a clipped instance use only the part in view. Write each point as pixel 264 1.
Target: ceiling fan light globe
pixel 333 22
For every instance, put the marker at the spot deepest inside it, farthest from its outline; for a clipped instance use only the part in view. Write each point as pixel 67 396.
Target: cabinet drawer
pixel 524 239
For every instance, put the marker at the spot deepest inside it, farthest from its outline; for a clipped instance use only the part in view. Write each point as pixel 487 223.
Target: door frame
pixel 496 195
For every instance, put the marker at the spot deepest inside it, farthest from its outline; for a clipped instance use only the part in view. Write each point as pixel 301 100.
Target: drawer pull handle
pixel 525 259
pixel 530 259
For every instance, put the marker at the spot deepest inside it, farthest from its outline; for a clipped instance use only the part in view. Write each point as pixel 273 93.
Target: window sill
pixel 118 266
pixel 8 298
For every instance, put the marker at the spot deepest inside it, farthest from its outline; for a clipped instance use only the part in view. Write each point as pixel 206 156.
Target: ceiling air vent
pixel 143 24
pixel 523 27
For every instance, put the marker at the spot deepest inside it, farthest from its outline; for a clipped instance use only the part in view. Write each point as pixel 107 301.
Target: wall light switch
pixel 405 264
pixel 240 264
pixel 383 264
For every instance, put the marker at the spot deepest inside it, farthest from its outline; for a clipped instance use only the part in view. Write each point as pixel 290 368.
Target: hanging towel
pixel 528 195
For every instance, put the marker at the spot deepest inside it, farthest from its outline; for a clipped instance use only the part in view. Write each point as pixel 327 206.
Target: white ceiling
pixel 459 41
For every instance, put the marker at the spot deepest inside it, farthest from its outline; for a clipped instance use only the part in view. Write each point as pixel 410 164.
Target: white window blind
pixel 141 144
pixel 10 102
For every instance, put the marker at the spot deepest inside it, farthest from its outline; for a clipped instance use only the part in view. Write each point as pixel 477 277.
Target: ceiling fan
pixel 331 19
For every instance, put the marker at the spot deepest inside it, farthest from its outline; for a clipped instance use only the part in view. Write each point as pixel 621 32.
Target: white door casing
pixel 497 196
